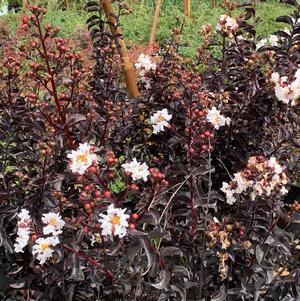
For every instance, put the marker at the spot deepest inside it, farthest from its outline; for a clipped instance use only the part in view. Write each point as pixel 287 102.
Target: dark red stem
pixel 54 91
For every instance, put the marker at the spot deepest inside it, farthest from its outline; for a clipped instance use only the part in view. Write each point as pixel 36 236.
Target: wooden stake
pixel 24 7
pixel 188 8
pixel 127 66
pixel 68 4
pixel 155 22
pixel 184 6
pixel 213 3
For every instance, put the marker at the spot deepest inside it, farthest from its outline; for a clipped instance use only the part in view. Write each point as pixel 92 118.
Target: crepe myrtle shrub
pixel 175 195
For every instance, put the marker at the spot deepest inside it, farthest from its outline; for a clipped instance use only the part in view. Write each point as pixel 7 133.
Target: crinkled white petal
pixel 138 171
pixel 54 223
pixel 111 228
pixel 160 120
pixel 43 248
pixel 216 119
pixel 82 158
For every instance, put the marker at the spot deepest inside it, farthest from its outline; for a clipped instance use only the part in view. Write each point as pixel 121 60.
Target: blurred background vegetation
pixel 137 26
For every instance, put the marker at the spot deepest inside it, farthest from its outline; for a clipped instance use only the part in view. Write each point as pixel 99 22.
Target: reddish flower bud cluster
pixel 158 177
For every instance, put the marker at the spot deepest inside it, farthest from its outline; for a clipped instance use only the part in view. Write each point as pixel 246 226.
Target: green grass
pixel 137 26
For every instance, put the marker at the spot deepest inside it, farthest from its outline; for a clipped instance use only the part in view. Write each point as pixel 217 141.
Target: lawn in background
pixel 137 26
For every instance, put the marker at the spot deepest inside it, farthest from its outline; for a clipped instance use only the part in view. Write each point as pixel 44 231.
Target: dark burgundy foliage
pixel 51 99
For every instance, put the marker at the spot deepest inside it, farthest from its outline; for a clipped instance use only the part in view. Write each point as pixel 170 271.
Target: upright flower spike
pixel 54 223
pixel 114 222
pixel 137 170
pixel 160 120
pixel 23 234
pixel 143 66
pixel 216 119
pixel 82 158
pixel 43 248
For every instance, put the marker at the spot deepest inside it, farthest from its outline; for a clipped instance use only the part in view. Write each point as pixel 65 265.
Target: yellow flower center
pixel 44 246
pixel 115 220
pixel 52 221
pixel 82 158
pixel 160 119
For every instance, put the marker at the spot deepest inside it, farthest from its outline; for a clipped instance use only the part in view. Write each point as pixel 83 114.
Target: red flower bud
pixel 92 169
pixel 134 216
pixel 97 193
pixel 107 194
pixel 131 226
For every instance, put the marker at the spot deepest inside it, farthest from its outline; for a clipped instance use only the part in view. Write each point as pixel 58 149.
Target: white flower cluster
pixel 260 177
pixel 160 120
pixel 287 92
pixel 227 24
pixel 216 119
pixel 43 247
pixel 143 66
pixel 273 40
pixel 137 170
pixel 23 233
pixel 82 158
pixel 114 222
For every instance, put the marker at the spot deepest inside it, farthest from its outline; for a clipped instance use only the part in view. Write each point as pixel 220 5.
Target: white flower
pixel 54 223
pixel 287 92
pixel 160 120
pixel 22 239
pixel 242 182
pixel 82 158
pixel 138 171
pixel 43 248
pixel 283 190
pixel 297 76
pixel 230 199
pixel 114 222
pixel 227 24
pixel 24 216
pixel 275 77
pixel 267 178
pixel 216 119
pixel 274 164
pixel 23 233
pixel 145 64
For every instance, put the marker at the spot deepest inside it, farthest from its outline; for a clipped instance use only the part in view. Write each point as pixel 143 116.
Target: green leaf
pixel 117 185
